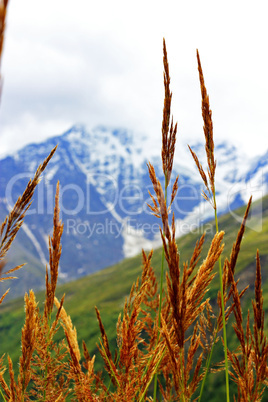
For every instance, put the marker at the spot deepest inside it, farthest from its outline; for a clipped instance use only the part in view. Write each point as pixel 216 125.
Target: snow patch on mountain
pixel 35 242
pixel 135 240
pixel 107 166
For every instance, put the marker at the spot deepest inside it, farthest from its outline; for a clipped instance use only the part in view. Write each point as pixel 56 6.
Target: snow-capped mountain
pixel 104 194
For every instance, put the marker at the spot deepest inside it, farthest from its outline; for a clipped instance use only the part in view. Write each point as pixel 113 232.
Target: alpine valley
pixel 104 187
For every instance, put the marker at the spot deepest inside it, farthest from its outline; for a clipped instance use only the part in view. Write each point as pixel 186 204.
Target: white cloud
pixel 100 62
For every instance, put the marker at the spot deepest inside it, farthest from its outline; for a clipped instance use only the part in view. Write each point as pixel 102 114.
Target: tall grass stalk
pixel 168 148
pixel 161 294
pixel 208 362
pixel 224 325
pixel 210 195
pixel 223 309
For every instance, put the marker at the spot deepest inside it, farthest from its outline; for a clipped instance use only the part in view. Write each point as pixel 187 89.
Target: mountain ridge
pixel 104 191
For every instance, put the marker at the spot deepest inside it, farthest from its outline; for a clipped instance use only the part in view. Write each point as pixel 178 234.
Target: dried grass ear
pixel 209 142
pixel 208 127
pixel 54 257
pixel 28 342
pixel 169 131
pixel 14 220
pixel 3 13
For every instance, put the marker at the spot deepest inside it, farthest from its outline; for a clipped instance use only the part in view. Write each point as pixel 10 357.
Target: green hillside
pixel 108 288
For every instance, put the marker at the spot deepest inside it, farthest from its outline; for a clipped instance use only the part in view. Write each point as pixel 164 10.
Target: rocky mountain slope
pixel 104 195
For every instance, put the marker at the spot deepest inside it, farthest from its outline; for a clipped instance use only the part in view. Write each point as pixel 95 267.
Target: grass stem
pixel 207 366
pixel 141 399
pixel 222 306
pixel 4 399
pixel 161 292
pixel 223 322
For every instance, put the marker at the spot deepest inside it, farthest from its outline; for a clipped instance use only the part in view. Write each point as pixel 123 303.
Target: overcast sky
pixel 68 62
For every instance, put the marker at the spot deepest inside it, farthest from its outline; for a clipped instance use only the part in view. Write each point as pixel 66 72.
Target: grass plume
pixel 210 195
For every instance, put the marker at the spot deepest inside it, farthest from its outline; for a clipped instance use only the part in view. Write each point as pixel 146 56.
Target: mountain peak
pixel 104 190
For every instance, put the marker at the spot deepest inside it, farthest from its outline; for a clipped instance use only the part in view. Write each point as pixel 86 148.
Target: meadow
pixel 115 283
